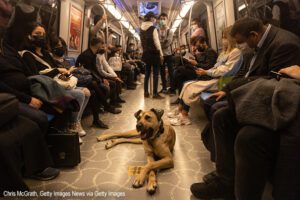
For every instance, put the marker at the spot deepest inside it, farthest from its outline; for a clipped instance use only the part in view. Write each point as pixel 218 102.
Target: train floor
pixel 103 174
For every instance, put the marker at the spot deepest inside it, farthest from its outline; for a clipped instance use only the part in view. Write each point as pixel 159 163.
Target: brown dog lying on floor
pixel 158 140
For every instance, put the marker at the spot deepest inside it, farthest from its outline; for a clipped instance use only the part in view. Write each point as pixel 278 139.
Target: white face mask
pixel 242 46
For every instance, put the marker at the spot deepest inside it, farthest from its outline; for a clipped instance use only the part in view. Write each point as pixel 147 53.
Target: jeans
pixel 78 94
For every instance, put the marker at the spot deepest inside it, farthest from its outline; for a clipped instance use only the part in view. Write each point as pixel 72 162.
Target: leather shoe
pixel 47 174
pixel 99 124
pixel 131 87
pixel 112 110
pixel 157 96
pixel 119 100
pixel 212 190
pixel 146 95
pixel 210 177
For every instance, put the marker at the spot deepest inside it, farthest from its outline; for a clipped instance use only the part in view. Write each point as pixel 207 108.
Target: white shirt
pixel 103 67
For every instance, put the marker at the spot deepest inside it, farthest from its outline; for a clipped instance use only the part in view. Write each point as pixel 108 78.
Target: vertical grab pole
pixel 189 25
pixel 179 43
pixel 106 37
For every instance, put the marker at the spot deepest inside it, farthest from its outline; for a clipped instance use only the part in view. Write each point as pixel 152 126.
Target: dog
pixel 158 140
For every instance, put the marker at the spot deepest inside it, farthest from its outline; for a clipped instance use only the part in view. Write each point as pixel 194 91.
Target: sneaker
pixel 180 120
pixel 213 190
pixel 47 174
pixel 99 124
pixel 174 113
pixel 77 128
pixel 80 140
pixel 116 105
pixel 81 132
pixel 138 83
pixel 157 96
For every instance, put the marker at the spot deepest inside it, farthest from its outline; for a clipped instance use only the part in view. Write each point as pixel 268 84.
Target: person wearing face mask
pixel 166 38
pixel 106 71
pixel 205 59
pixel 191 90
pixel 243 153
pixel 152 53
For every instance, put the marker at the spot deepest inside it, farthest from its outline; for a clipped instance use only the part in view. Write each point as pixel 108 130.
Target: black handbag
pixel 9 108
pixel 64 147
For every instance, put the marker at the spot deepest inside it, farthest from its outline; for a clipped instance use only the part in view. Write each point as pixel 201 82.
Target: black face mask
pixel 39 41
pixel 101 51
pixel 201 49
pixel 59 51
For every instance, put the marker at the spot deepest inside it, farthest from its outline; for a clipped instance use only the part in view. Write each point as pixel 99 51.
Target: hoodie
pixel 145 26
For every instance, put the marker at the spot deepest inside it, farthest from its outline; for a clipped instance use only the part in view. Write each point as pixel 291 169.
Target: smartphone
pixel 278 75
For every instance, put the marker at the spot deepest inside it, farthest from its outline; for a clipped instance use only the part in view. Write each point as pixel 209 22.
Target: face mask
pixel 39 41
pixel 242 46
pixel 201 49
pixel 163 22
pixel 101 51
pixel 59 51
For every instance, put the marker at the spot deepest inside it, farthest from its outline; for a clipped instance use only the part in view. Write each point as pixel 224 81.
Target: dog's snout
pixel 139 126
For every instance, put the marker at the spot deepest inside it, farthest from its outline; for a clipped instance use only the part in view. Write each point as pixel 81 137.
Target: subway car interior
pixel 150 99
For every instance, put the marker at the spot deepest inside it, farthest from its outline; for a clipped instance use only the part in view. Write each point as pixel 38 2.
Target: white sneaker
pixel 76 127
pixel 181 120
pixel 80 140
pixel 138 83
pixel 174 113
pixel 81 132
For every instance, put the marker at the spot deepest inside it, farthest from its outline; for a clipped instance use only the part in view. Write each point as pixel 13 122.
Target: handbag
pixel 67 82
pixel 84 77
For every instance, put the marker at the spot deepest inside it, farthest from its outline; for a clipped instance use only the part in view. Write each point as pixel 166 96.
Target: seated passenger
pixel 191 90
pixel 100 86
pixel 246 169
pixel 205 59
pixel 41 62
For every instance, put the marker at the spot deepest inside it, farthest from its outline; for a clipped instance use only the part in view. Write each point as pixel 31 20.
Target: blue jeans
pixel 78 94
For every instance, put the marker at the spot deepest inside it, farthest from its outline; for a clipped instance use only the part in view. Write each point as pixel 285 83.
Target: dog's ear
pixel 158 112
pixel 137 113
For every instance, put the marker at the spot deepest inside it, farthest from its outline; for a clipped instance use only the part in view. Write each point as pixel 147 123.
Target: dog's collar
pixel 161 129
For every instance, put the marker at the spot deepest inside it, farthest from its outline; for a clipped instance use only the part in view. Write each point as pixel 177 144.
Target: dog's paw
pixel 138 182
pixel 151 187
pixel 110 144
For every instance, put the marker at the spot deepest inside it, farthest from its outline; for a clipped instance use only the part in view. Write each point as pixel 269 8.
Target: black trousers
pixel 181 75
pixel 23 151
pixel 168 61
pixel 245 156
pixel 152 62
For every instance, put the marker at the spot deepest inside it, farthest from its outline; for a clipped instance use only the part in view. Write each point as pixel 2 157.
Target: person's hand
pixel 292 71
pixel 35 103
pixel 201 72
pixel 106 82
pixel 63 71
pixel 73 68
pixel 193 62
pixel 219 95
pixel 119 80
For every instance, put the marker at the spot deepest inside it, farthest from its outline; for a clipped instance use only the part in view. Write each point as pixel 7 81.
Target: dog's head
pixel 149 123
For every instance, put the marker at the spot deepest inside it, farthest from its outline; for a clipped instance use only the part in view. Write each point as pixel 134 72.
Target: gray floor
pixel 106 170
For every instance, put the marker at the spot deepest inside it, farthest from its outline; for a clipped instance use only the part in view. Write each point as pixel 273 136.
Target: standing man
pixel 166 38
pixel 152 53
